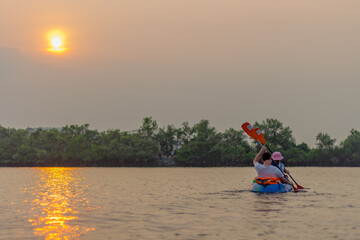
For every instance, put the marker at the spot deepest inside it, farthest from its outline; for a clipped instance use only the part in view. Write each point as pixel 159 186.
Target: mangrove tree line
pixel 198 145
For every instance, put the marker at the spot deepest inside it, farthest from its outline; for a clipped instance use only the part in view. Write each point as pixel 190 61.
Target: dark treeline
pixel 199 145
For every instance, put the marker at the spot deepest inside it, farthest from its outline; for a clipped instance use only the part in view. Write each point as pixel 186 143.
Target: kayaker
pixel 266 170
pixel 277 157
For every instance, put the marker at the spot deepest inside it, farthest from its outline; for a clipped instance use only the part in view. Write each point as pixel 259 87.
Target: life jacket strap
pixel 267 181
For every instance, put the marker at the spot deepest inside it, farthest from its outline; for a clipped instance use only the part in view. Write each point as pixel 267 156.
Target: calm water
pixel 175 203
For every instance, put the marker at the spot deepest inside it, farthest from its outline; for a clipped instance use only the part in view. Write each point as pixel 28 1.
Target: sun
pixel 57 41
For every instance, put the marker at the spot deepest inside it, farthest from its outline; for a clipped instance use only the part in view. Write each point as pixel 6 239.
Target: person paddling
pixel 277 157
pixel 266 170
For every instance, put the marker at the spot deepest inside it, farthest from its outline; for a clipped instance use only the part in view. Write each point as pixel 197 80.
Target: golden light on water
pixel 55 208
pixel 57 41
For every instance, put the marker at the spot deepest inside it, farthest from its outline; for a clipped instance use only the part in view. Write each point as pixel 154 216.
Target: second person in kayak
pixel 277 157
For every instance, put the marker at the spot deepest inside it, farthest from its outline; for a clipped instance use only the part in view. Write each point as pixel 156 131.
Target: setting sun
pixel 56 41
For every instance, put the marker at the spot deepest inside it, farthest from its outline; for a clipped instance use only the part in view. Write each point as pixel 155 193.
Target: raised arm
pixel 258 156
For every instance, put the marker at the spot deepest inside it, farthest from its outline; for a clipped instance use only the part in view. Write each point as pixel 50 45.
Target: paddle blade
pixel 295 189
pixel 299 187
pixel 259 136
pixel 248 129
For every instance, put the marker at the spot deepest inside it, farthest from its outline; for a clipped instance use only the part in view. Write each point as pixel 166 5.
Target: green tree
pixel 201 149
pixel 7 147
pixel 295 157
pixel 123 149
pixel 277 136
pixel 304 147
pixel 350 150
pixel 75 143
pixel 18 140
pixel 234 148
pixel 324 141
pixel 325 155
pixel 167 139
pixel 184 134
pixel 143 150
pixel 45 143
pixel 148 128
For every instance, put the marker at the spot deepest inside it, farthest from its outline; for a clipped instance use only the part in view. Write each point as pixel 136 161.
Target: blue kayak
pixel 272 188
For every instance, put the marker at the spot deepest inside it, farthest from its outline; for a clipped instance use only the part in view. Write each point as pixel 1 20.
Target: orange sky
pixel 225 61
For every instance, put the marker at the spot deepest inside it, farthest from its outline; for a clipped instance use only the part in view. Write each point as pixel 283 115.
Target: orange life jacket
pixel 267 181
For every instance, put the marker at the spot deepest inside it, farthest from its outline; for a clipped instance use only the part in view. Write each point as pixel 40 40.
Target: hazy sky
pixel 227 61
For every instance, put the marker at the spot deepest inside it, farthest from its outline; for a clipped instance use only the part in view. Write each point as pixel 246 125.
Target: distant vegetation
pixel 199 145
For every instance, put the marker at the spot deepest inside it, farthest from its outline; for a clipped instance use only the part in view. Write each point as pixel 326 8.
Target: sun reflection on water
pixel 56 206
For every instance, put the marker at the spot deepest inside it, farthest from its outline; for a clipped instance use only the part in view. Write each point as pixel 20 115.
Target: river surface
pixel 175 203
